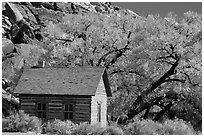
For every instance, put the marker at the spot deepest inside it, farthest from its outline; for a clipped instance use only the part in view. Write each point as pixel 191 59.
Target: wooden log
pixel 27 104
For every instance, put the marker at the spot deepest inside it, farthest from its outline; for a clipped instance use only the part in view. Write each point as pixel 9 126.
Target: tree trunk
pixel 139 103
pixel 146 112
pixel 162 112
pixel 135 109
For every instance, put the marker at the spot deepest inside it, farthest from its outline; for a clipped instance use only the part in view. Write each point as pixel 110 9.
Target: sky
pixel 161 8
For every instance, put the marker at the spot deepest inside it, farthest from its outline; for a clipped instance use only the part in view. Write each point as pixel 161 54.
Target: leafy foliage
pixel 59 127
pixel 138 127
pixel 151 61
pixel 169 127
pixel 87 129
pixel 21 122
pixel 68 128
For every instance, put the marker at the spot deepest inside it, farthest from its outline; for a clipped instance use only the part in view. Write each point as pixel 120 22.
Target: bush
pixel 59 127
pixel 178 127
pixel 112 130
pixel 96 129
pixel 143 127
pixel 149 127
pixel 68 128
pixel 86 129
pixel 21 122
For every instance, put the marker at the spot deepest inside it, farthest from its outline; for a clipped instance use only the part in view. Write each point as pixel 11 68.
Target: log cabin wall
pixel 55 106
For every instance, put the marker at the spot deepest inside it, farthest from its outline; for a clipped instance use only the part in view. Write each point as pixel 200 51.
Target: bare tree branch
pixel 65 40
pixel 118 53
pixel 139 101
pixel 190 81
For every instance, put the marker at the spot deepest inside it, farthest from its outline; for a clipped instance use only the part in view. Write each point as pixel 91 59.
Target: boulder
pixel 98 9
pixel 3 6
pixel 33 10
pixel 27 15
pixel 105 6
pixel 7 68
pixel 13 13
pixel 36 4
pixel 74 8
pixel 12 69
pixel 6 84
pixel 21 32
pixel 7 46
pixel 59 6
pixel 26 3
pixel 84 6
pixel 11 99
pixel 45 5
pixel 95 3
pixel 6 26
pixel 48 5
pixel 46 15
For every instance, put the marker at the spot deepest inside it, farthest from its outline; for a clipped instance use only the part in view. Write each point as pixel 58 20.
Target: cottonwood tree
pixel 168 65
pixel 93 39
pixel 151 61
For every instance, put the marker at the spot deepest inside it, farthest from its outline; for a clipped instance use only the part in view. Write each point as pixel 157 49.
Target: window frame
pixel 99 106
pixel 41 110
pixel 68 111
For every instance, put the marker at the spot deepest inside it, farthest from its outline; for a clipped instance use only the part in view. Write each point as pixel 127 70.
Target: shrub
pixel 96 129
pixel 21 122
pixel 68 128
pixel 178 127
pixel 59 127
pixel 143 127
pixel 112 130
pixel 86 129
pixel 149 127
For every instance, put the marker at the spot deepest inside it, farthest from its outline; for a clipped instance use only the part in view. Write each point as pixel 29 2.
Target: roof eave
pixel 106 83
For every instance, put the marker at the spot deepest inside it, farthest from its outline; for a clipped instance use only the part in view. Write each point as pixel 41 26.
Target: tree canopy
pixel 154 64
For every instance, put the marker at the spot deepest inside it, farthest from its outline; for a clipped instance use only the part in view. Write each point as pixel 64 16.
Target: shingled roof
pixel 62 81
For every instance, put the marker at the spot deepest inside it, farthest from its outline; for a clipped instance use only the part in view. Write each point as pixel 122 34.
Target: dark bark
pixel 118 53
pixel 141 74
pixel 146 112
pixel 139 103
pixel 164 77
pixel 104 56
pixel 142 106
pixel 162 112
